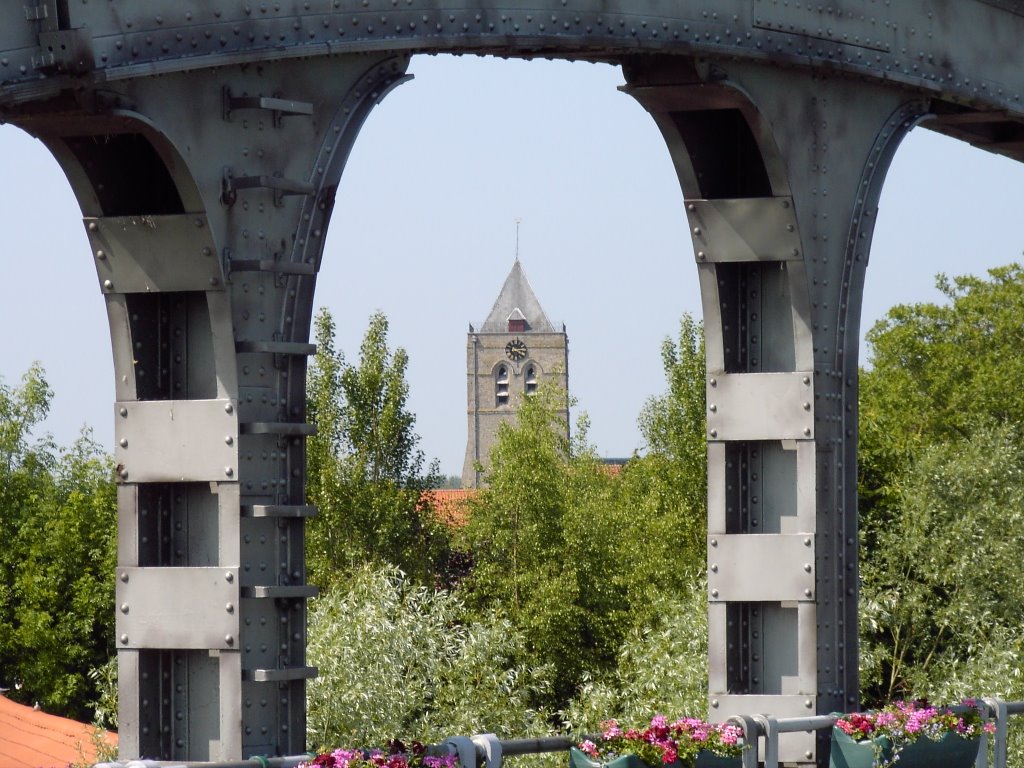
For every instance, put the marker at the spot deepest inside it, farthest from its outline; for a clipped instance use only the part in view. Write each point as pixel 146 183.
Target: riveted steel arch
pixel 205 141
pixel 780 261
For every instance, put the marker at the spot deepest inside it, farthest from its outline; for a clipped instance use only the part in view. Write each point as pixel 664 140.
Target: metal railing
pixel 761 732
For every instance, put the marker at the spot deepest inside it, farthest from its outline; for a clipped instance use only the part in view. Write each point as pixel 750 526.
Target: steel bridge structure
pixel 204 140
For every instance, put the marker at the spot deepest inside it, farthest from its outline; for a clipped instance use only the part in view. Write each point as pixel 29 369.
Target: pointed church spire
pixel 517 301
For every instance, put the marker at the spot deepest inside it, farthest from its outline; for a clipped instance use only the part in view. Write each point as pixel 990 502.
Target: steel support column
pixel 207 235
pixel 781 174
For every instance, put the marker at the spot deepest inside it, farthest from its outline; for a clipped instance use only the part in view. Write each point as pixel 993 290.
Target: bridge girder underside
pixel 204 142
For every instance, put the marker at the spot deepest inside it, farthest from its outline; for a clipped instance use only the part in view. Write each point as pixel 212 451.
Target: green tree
pixel 57 568
pixel 401 660
pixel 64 619
pixel 661 666
pixel 940 586
pixel 664 492
pixel 941 488
pixel 935 372
pixel 25 466
pixel 367 475
pixel 543 536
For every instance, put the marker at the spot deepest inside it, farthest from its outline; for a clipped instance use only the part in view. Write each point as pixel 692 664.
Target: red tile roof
pixel 30 738
pixel 451 505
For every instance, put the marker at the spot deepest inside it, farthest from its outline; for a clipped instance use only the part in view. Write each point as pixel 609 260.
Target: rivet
pixel 101 255
pixel 807 541
pixel 808 593
pixel 714 567
pixel 713 382
pixel 714 542
pixel 229 408
pixel 696 230
pixel 93 226
pixel 713 408
pixel 714 703
pixel 123 411
pixel 713 433
pixel 691 207
pixel 124 442
pixel 229 639
pixel 809 755
pixel 229 471
pixel 124 576
pixel 701 255
pixel 808 703
pixel 199 222
pixel 807 406
pixel 229 577
pixel 807 567
pixel 107 284
pixel 124 607
pixel 806 380
pixel 214 281
pixel 807 431
pixel 229 439
pixel 124 639
pixel 230 608
pixel 124 474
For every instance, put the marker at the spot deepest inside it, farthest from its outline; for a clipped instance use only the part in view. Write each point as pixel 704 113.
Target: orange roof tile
pixel 451 504
pixel 30 738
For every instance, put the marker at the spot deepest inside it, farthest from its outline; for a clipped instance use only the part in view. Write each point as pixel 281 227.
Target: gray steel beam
pixel 939 47
pixel 781 172
pixel 209 297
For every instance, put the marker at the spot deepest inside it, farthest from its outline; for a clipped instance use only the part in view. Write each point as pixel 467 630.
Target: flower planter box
pixel 704 760
pixel 951 751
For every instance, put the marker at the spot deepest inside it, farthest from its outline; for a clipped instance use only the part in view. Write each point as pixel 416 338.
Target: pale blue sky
pixel 424 229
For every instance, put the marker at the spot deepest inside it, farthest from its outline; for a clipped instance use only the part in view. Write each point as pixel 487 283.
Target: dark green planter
pixel 951 751
pixel 578 759
pixel 711 760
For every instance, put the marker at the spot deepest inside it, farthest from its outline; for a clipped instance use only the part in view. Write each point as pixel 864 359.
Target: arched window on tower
pixel 531 379
pixel 501 385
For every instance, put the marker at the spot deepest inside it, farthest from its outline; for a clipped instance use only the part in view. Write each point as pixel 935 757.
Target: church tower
pixel 514 350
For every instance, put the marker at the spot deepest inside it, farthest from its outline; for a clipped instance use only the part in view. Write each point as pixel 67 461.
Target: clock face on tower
pixel 516 349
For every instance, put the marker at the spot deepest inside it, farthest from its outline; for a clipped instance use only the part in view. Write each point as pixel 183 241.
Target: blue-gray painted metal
pixel 207 185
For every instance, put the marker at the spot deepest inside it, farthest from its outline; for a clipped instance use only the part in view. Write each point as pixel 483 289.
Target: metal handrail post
pixel 751 733
pixel 1001 714
pixel 464 747
pixel 770 728
pixel 489 747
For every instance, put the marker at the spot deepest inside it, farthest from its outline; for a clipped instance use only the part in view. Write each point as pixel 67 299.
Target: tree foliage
pixel 664 492
pixel 366 473
pixel 941 462
pixel 661 666
pixel 57 568
pixel 581 559
pixel 940 580
pixel 542 537
pixel 936 372
pixel 401 660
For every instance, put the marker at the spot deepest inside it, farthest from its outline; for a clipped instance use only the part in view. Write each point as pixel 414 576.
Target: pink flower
pixel 589 748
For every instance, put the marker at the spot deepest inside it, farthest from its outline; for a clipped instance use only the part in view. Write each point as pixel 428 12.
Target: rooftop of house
pixel 451 505
pixel 30 738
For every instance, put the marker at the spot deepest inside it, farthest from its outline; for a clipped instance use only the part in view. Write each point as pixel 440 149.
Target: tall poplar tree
pixel 367 474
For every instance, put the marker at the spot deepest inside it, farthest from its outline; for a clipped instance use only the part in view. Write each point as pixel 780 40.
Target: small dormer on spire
pixel 517 321
pixel 517 309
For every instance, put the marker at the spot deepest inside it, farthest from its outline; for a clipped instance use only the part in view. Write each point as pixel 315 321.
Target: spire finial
pixel 519 220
